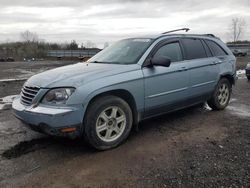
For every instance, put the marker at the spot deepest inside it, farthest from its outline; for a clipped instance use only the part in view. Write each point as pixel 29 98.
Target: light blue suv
pixel 132 80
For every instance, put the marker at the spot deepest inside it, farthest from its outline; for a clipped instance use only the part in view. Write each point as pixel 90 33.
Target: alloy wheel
pixel 223 94
pixel 111 124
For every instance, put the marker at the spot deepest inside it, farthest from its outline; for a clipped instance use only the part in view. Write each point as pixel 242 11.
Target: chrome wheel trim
pixel 111 124
pixel 223 94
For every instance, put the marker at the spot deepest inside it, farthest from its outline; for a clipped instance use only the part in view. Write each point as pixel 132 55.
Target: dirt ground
pixel 242 62
pixel 195 147
pixel 14 74
pixel 24 70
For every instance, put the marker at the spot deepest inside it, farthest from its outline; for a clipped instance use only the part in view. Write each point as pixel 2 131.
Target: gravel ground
pixel 195 147
pixel 20 69
pixel 14 74
pixel 242 62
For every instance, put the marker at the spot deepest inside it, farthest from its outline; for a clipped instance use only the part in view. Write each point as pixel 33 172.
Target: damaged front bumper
pixel 51 120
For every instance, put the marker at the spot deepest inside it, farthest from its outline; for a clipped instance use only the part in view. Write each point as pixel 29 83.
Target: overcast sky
pixel 101 20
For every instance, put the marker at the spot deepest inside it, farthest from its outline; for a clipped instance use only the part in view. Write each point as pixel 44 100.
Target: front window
pixel 127 51
pixel 171 51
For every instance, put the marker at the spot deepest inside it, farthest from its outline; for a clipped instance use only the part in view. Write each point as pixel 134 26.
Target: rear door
pixel 202 68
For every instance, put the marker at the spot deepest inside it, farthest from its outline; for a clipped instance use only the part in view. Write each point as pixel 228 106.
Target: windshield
pixel 126 51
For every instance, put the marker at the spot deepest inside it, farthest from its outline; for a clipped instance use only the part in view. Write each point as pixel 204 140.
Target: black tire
pixel 92 118
pixel 248 77
pixel 214 101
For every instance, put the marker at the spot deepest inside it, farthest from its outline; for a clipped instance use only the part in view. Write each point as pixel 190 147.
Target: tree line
pixel 30 46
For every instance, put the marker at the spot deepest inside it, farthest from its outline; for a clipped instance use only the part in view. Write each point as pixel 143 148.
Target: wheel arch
pixel 123 94
pixel 229 77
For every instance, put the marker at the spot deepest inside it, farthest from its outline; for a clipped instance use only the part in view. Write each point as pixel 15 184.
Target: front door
pixel 166 87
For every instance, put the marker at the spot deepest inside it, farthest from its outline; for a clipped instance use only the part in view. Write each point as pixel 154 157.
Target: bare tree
pixel 29 37
pixel 82 46
pixel 90 44
pixel 106 44
pixel 237 28
pixel 73 45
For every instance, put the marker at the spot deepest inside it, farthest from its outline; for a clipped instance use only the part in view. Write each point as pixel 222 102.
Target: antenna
pixel 183 29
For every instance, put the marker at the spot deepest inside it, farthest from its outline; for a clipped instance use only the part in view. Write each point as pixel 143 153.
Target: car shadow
pixel 79 146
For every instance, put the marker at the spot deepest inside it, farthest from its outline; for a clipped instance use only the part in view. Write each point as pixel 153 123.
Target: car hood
pixel 77 74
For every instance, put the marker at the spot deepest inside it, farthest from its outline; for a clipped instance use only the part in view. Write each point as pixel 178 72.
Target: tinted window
pixel 171 51
pixel 216 49
pixel 208 51
pixel 194 49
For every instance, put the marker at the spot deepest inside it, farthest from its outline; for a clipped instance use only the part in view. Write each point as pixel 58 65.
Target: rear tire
pixel 107 123
pixel 221 95
pixel 248 77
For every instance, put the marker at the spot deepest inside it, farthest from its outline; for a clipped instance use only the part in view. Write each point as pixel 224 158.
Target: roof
pixel 188 35
pixel 179 35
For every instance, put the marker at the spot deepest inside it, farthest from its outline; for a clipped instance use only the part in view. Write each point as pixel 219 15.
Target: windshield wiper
pixel 96 62
pixel 104 62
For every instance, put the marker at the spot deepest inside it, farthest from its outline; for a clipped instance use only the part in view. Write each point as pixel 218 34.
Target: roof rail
pixel 210 35
pixel 183 29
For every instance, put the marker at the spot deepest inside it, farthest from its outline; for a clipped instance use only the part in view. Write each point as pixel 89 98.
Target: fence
pixel 242 47
pixel 72 53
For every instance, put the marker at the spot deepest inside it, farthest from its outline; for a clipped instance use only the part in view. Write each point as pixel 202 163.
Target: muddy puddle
pixel 26 147
pixel 239 110
pixel 33 145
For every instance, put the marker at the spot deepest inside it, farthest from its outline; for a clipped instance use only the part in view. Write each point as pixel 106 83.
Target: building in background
pixel 81 54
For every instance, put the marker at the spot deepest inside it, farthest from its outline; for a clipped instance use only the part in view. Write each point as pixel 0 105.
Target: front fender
pixel 132 82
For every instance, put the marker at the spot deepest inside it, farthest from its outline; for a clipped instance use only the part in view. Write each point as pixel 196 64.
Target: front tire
pixel 221 95
pixel 248 77
pixel 108 122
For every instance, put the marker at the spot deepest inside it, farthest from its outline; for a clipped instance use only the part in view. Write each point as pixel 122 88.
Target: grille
pixel 28 94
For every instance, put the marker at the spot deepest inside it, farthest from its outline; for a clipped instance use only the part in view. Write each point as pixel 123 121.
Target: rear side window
pixel 215 48
pixel 194 49
pixel 171 51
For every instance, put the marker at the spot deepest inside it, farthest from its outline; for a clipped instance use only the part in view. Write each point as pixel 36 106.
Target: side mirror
pixel 161 61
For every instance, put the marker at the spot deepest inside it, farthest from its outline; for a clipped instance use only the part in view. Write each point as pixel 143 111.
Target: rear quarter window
pixel 194 48
pixel 216 49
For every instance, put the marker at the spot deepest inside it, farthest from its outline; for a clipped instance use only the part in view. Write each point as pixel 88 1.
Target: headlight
pixel 58 96
pixel 248 65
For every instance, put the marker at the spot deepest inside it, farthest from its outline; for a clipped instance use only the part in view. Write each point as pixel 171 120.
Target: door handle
pixel 182 69
pixel 216 62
